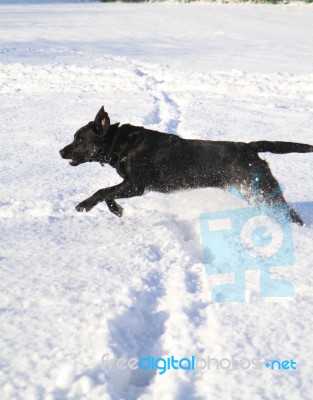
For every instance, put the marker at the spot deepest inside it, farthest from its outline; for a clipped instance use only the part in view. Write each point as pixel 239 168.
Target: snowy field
pixel 79 289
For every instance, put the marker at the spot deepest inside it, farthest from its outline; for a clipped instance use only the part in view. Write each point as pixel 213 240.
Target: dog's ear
pixel 102 120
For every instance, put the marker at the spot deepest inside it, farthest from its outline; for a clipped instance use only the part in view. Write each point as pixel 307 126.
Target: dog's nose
pixel 61 152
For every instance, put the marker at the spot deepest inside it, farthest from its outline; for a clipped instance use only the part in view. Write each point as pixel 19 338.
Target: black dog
pixel 162 162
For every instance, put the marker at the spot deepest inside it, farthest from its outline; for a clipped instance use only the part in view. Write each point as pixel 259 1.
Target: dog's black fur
pixel 147 159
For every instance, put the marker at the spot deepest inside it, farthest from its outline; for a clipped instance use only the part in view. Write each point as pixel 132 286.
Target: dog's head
pixel 88 143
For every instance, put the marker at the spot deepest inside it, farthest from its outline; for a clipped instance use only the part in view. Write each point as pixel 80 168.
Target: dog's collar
pixel 109 154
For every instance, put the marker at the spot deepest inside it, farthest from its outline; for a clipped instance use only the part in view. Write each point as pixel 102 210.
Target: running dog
pixel 163 162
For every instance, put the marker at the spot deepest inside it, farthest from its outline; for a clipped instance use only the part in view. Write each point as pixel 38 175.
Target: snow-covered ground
pixel 79 289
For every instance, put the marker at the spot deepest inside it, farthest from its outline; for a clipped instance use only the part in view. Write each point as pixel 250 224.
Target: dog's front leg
pixel 123 190
pixel 114 207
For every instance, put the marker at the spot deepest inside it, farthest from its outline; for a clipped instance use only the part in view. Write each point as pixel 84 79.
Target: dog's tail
pixel 280 147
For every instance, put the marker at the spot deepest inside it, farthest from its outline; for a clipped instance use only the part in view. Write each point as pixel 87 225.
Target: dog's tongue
pixel 74 163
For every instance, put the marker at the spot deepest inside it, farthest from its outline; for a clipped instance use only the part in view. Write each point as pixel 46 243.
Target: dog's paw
pixel 115 208
pixel 118 210
pixel 84 206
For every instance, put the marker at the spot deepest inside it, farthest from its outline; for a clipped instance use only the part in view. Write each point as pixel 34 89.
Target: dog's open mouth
pixel 74 163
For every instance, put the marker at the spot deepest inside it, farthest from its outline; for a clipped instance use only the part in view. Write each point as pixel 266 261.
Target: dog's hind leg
pixel 280 200
pixel 272 194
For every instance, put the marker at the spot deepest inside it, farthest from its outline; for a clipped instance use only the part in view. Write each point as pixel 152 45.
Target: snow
pixel 79 287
